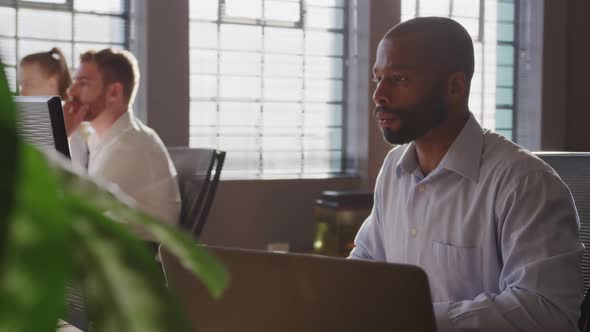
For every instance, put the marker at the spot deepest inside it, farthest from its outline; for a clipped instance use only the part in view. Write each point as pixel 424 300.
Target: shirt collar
pixel 463 157
pixel 125 121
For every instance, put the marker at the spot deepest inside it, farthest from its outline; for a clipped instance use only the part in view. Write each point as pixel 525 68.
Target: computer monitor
pixel 41 122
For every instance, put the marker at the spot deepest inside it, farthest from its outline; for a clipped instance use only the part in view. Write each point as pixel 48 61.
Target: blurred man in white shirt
pixel 120 149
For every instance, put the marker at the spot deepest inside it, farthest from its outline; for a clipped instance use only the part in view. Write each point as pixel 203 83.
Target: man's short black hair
pixel 447 39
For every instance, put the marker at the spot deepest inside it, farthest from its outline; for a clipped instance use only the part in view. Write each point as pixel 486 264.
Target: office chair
pixel 574 170
pixel 198 177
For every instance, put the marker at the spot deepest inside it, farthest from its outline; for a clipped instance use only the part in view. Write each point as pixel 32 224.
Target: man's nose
pixel 380 97
pixel 72 90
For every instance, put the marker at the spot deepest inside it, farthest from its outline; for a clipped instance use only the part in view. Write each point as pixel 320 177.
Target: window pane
pixel 434 8
pixel 506 32
pixel 323 90
pixel 504 118
pixel 471 25
pixel 239 114
pixel 283 89
pixel 505 76
pixel 240 87
pixel 244 8
pixel 241 37
pixel 8 51
pixel 506 11
pixel 504 96
pixel 324 43
pixel 319 139
pixel 281 162
pixel 288 140
pixel 322 162
pixel 45 1
pixel 44 24
pixel 325 3
pixel 322 115
pixel 33 46
pixel 102 6
pixel 323 67
pixel 408 8
pixel 204 9
pixel 282 11
pixel 283 115
pixel 240 164
pixel 203 34
pixel 203 114
pixel 283 65
pixel 505 54
pixel 203 86
pixel 238 142
pixel 466 8
pixel 7 21
pixel 204 137
pixel 235 63
pixel 112 29
pixel 283 40
pixel 328 18
pixel 204 62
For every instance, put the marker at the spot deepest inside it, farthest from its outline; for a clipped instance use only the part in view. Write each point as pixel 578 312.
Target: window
pixel 74 26
pixel 266 84
pixel 491 24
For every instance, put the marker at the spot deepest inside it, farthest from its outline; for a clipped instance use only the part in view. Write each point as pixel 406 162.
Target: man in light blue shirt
pixel 494 227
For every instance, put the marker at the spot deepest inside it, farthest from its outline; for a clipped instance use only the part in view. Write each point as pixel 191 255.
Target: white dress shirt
pixel 131 156
pixel 494 227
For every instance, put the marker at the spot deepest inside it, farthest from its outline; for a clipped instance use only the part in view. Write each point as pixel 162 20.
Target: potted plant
pixel 54 231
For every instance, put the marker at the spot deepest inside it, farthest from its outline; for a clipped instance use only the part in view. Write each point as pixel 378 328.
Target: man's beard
pixel 95 107
pixel 415 122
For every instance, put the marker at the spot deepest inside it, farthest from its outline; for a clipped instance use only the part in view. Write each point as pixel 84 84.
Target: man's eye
pixel 399 78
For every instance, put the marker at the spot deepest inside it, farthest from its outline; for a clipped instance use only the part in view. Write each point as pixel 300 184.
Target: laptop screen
pixel 41 122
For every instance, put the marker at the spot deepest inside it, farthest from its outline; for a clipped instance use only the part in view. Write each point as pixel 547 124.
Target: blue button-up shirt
pixel 494 227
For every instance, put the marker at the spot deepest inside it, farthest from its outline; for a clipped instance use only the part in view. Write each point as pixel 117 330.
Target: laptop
pixel 41 122
pixel 294 292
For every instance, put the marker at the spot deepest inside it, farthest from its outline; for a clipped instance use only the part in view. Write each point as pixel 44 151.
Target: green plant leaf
pixel 193 257
pixel 9 152
pixel 38 258
pixel 123 287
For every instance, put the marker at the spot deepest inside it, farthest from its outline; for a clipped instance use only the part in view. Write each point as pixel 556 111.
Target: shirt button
pixel 413 232
pixel 422 188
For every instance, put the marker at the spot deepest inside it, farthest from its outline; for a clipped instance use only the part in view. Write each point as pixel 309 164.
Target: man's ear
pixel 115 91
pixel 457 85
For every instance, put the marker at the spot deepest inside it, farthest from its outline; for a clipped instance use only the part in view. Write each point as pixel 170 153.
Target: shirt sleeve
pixel 139 174
pixel 368 244
pixel 541 284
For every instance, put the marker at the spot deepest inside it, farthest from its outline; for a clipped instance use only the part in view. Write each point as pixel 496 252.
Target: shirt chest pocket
pixel 454 272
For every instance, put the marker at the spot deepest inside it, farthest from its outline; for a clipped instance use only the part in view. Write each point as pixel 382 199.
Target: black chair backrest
pixel 198 176
pixel 574 170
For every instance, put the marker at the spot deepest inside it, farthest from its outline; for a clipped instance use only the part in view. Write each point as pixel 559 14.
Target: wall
pixel 251 214
pixel 554 67
pixel 578 74
pixel 159 38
